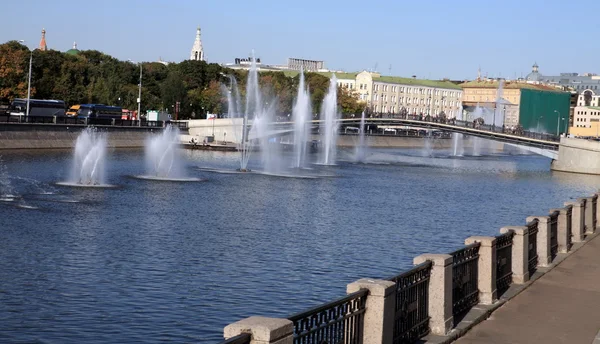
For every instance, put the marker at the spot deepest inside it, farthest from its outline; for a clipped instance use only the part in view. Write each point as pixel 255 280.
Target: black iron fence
pixel 65 120
pixel 553 223
pixel 411 320
pixel 532 255
pixel 243 338
pixel 337 322
pixel 569 227
pixel 465 289
pixel 594 214
pixel 504 272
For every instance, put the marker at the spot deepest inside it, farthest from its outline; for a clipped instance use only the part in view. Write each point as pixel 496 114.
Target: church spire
pixel 43 46
pixel 197 51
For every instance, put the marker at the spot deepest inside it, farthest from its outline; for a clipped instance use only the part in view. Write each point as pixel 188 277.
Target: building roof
pixel 417 82
pixel 74 50
pixel 507 85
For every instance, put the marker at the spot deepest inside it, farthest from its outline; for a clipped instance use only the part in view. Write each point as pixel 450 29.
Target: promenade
pixel 562 306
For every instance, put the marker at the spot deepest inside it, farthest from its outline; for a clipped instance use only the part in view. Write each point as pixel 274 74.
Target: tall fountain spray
pixel 302 114
pixel 89 159
pixel 162 156
pixel 361 148
pixel 235 113
pixel 329 126
pixel 498 114
pixel 457 138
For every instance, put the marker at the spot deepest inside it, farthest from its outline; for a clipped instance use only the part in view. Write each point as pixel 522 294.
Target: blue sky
pixel 430 39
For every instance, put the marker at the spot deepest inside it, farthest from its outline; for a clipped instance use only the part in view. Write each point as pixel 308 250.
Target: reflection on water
pixel 153 261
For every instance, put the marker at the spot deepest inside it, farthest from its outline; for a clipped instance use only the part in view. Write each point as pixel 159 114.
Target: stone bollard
pixel 520 253
pixel 577 220
pixel 564 228
pixel 440 292
pixel 380 310
pixel 543 240
pixel 486 279
pixel 590 214
pixel 263 330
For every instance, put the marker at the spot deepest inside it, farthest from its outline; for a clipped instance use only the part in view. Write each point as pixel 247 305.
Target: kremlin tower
pixel 43 46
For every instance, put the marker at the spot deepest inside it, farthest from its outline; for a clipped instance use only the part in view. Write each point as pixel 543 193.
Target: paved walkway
pixel 563 306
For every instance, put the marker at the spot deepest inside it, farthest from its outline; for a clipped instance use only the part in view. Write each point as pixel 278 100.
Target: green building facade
pixel 544 111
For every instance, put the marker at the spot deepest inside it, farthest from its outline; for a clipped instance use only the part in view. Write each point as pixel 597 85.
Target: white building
pixel 587 109
pixel 197 51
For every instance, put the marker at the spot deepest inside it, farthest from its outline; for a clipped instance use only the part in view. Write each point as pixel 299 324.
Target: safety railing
pixel 504 272
pixel 553 223
pixel 569 227
pixel 465 290
pixel 411 320
pixel 532 260
pixel 594 212
pixel 66 120
pixel 337 322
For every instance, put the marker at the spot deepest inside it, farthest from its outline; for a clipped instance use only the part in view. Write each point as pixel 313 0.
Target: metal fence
pixel 532 255
pixel 504 272
pixel 411 320
pixel 569 227
pixel 554 233
pixel 243 338
pixel 64 120
pixel 465 290
pixel 594 214
pixel 337 322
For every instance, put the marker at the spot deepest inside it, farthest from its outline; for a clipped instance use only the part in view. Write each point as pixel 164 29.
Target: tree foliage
pixel 94 77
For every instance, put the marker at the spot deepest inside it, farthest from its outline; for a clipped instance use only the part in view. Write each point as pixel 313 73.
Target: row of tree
pixel 93 77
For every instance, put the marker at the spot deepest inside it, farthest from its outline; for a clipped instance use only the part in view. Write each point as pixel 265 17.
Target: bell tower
pixel 197 51
pixel 43 46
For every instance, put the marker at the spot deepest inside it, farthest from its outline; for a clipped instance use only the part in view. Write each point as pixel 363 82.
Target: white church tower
pixel 197 52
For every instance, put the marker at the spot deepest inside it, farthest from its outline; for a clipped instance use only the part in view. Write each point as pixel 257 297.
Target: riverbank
pixel 52 136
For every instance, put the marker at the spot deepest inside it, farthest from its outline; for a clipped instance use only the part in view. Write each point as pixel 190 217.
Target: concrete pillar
pixel 543 240
pixel 520 253
pixel 440 292
pixel 112 121
pixel 380 310
pixel 486 279
pixel 577 220
pixel 590 227
pixel 563 236
pixel 54 119
pixel 263 330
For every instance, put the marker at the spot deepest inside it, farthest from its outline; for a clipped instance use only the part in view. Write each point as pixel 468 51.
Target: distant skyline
pixel 427 39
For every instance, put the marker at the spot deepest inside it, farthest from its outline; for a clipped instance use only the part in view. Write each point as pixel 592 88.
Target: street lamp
pixel 22 41
pixel 139 100
pixel 557 123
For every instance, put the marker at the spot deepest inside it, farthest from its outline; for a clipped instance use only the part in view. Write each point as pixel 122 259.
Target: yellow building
pixel 586 115
pixel 533 106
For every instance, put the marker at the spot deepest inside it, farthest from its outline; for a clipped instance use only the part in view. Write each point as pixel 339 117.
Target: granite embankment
pixel 50 136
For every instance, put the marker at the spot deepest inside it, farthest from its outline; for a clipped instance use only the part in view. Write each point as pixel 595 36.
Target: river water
pixel 158 261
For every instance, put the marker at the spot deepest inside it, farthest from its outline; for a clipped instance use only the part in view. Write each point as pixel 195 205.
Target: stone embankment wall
pixel 50 136
pixel 578 156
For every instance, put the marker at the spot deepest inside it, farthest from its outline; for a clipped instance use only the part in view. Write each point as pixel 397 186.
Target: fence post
pixel 263 330
pixel 54 119
pixel 543 240
pixel 380 310
pixel 577 220
pixel 486 279
pixel 597 194
pixel 440 292
pixel 563 233
pixel 520 253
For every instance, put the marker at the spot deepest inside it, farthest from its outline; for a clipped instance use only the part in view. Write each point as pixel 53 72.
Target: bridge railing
pixel 411 313
pixel 476 125
pixel 65 120
pixel 431 297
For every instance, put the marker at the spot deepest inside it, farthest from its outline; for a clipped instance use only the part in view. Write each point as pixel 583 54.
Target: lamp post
pixel 139 100
pixel 22 41
pixel 557 123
